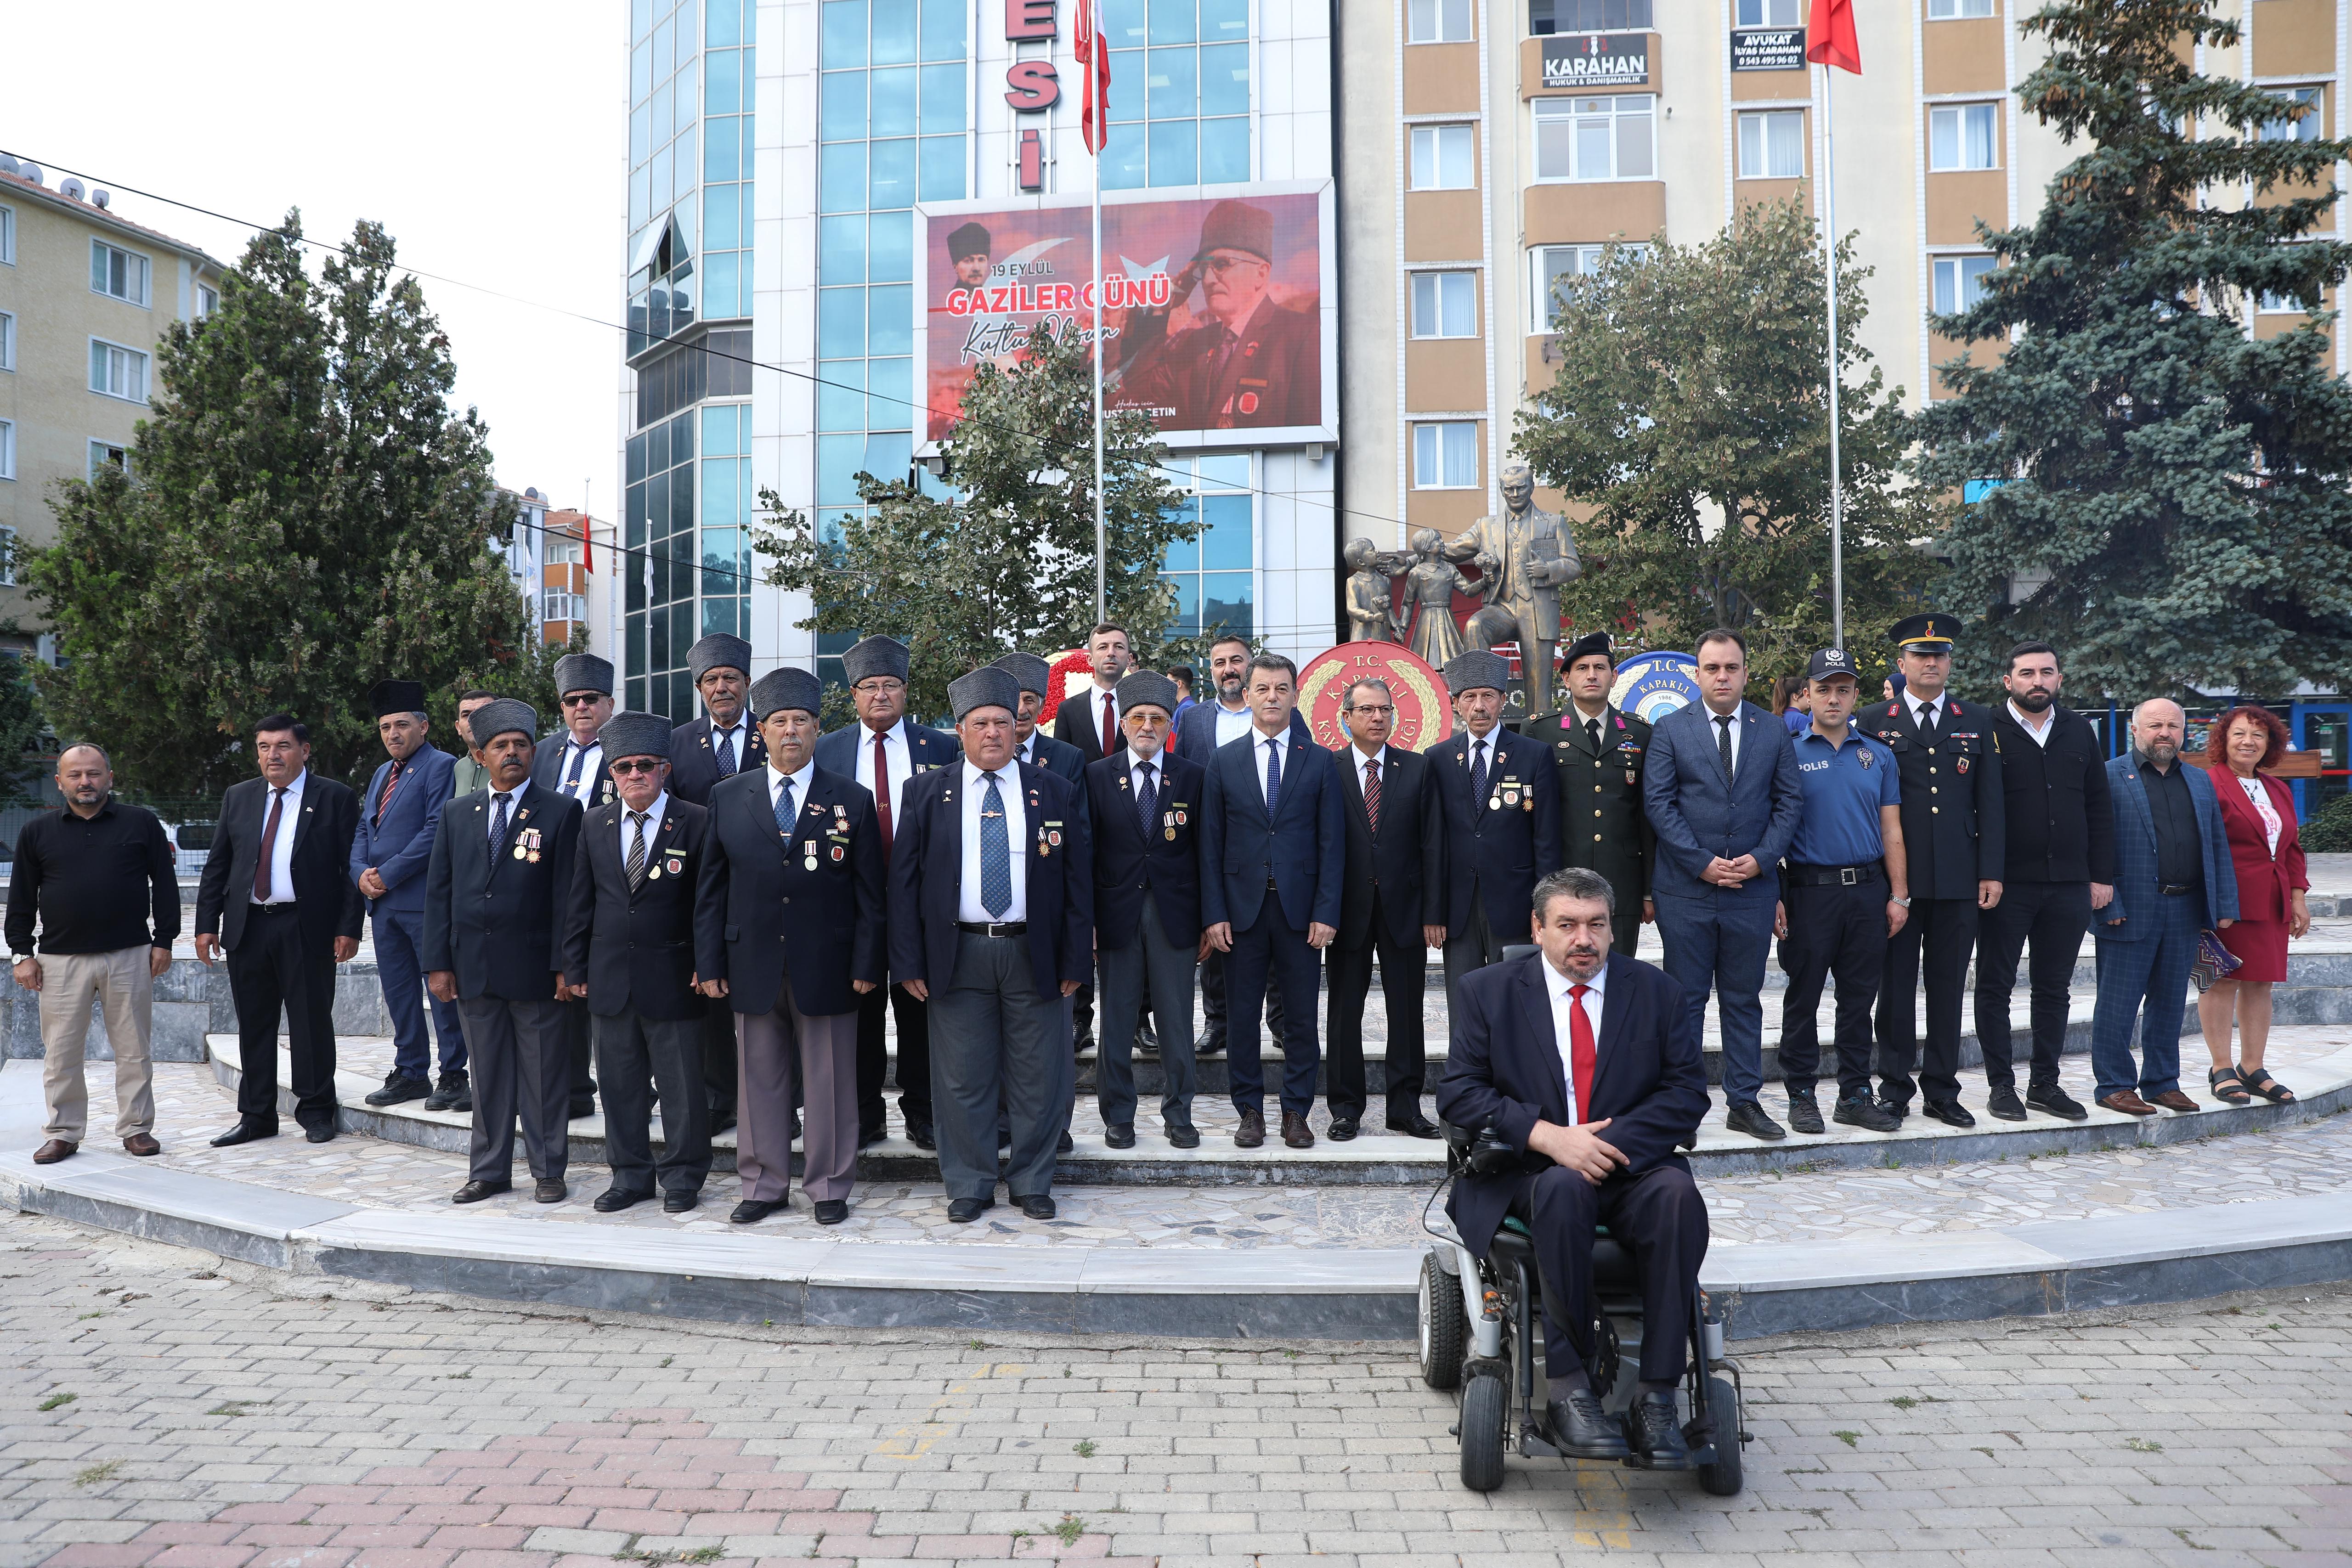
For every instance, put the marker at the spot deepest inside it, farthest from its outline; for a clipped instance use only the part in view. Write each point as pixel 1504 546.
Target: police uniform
pixel 1835 887
pixel 1603 827
pixel 1953 838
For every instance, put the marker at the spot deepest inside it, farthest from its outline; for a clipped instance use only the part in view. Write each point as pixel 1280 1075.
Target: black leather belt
pixel 983 928
pixel 2176 890
pixel 1837 875
pixel 273 908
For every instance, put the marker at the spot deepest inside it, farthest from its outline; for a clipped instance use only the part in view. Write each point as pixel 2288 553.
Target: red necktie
pixel 384 802
pixel 1109 725
pixel 1581 1052
pixel 882 793
pixel 1372 792
pixel 268 848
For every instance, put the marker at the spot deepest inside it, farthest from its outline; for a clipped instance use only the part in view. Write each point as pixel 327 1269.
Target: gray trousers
pixel 521 1055
pixel 774 1051
pixel 992 1035
pixel 1466 952
pixel 634 1055
pixel 1149 968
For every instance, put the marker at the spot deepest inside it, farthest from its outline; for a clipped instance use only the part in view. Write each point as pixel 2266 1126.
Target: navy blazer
pixel 1195 739
pixel 1304 847
pixel 1699 814
pixel 927 880
pixel 1131 865
pixel 694 768
pixel 811 906
pixel 929 749
pixel 497 924
pixel 2131 917
pixel 547 771
pixel 1503 1071
pixel 633 949
pixel 1496 848
pixel 400 847
pixel 1060 758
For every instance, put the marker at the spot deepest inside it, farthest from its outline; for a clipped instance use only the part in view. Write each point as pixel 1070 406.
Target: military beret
pixel 395 696
pixel 786 688
pixel 495 718
pixel 875 656
pixel 1468 672
pixel 583 673
pixel 988 687
pixel 635 734
pixel 1146 689
pixel 1030 670
pixel 720 651
pixel 1584 647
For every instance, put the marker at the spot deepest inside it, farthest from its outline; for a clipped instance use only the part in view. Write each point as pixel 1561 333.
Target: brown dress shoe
pixel 2129 1104
pixel 2174 1099
pixel 53 1151
pixel 1250 1133
pixel 142 1144
pixel 1295 1132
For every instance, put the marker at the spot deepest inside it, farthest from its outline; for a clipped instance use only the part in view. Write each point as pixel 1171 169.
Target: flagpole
pixel 1837 489
pixel 1102 559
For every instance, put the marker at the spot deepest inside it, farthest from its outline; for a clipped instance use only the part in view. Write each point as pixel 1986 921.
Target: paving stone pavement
pixel 161 1406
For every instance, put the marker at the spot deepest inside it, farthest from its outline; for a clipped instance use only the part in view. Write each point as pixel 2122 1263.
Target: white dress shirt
pixel 281 850
pixel 1739 717
pixel 653 828
pixel 491 818
pixel 1474 758
pixel 1232 724
pixel 801 782
pixel 1920 706
pixel 2037 728
pixel 1356 760
pixel 1016 838
pixel 1561 1027
pixel 1259 743
pixel 896 754
pixel 1158 765
pixel 582 790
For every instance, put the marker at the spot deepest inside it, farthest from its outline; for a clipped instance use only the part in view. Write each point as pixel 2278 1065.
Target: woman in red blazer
pixel 2259 812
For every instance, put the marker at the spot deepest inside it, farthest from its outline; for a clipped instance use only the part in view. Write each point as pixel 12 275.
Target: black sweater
pixel 2061 826
pixel 94 884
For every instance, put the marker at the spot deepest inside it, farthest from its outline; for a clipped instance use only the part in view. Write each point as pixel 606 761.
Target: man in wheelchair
pixel 1586 1063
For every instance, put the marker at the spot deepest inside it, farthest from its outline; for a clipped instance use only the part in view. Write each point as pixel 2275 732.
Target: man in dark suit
pixel 1722 791
pixel 2173 878
pixel 788 928
pixel 1395 872
pixel 1588 1063
pixel 494 900
pixel 629 952
pixel 1033 746
pixel 1599 752
pixel 398 816
pixel 1273 859
pixel 2059 828
pixel 1952 837
pixel 277 895
pixel 992 917
pixel 720 744
pixel 1090 720
pixel 1219 719
pixel 572 763
pixel 1146 813
pixel 882 751
pixel 1501 810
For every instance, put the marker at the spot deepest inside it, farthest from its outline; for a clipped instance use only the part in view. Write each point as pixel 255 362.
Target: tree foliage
pixel 1690 415
pixel 2173 509
pixel 1005 559
pixel 305 515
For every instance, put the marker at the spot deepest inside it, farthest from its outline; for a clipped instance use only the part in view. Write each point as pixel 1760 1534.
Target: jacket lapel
pixel 1615 1006
pixel 1535 1004
pixel 1707 733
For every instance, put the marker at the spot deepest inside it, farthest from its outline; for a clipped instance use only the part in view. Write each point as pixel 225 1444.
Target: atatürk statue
pixel 1524 554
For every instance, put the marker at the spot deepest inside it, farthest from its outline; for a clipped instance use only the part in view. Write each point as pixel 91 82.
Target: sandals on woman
pixel 2260 1083
pixel 2235 1094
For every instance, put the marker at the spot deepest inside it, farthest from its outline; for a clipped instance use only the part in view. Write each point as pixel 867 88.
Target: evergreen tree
pixel 1690 416
pixel 304 515
pixel 2171 509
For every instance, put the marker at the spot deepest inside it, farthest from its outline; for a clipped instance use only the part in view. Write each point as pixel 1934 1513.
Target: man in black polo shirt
pixel 2060 867
pixel 99 875
pixel 1844 892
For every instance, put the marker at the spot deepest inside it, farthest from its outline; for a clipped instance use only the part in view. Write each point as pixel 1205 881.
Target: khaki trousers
pixel 120 983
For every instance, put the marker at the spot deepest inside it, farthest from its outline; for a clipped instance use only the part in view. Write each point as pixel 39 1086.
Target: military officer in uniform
pixel 1598 752
pixel 1954 842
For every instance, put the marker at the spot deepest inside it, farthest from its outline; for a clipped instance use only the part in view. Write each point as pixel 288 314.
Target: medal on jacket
pixel 1961 765
pixel 676 866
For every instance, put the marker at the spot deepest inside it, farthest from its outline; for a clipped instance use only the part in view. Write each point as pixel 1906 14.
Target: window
pixel 8 341
pixel 117 372
pixel 7 557
pixel 1553 264
pixel 564 605
pixel 1444 158
pixel 117 274
pixel 1445 455
pixel 8 235
pixel 1546 17
pixel 1437 21
pixel 1963 136
pixel 1595 138
pixel 1212 575
pixel 1179 77
pixel 207 300
pixel 562 549
pixel 1960 282
pixel 7 449
pixel 1769 13
pixel 2287 128
pixel 1444 304
pixel 1772 145
pixel 1954 10
pixel 2273 304
pixel 107 455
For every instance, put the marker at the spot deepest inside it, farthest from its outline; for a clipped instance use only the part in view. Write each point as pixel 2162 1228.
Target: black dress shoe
pixel 752 1210
pixel 964 1210
pixel 832 1211
pixel 613 1199
pixel 1183 1135
pixel 1899 1109
pixel 1749 1117
pixel 1083 1045
pixel 1209 1045
pixel 869 1136
pixel 548 1189
pixel 475 1191
pixel 1414 1126
pixel 1868 1115
pixel 919 1133
pixel 1950 1113
pixel 584 1107
pixel 243 1133
pixel 1655 1434
pixel 398 1089
pixel 1345 1128
pixel 680 1202
pixel 1296 1132
pixel 2002 1105
pixel 721 1121
pixel 456 1092
pixel 320 1134
pixel 1119 1134
pixel 1250 1133
pixel 1062 1145
pixel 2054 1100
pixel 1582 1431
pixel 1804 1115
pixel 793 1130
pixel 1036 1206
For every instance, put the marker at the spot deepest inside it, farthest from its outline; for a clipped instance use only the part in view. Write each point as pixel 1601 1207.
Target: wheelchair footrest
pixel 1533 1446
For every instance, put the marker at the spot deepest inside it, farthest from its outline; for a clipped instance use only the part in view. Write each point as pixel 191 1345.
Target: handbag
pixel 2214 962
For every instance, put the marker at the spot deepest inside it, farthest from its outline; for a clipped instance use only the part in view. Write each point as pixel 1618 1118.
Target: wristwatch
pixel 1905 902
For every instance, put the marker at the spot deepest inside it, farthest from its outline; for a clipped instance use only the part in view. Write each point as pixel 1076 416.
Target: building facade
pixel 86 297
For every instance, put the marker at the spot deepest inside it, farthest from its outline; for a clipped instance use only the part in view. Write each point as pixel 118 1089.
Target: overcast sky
pixel 486 135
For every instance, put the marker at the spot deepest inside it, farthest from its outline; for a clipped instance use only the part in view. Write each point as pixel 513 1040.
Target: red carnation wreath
pixel 1058 671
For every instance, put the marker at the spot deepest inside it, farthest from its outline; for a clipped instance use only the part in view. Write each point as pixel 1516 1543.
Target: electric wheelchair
pixel 1482 1332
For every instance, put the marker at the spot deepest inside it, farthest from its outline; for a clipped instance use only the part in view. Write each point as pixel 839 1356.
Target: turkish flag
pixel 1830 39
pixel 1087 47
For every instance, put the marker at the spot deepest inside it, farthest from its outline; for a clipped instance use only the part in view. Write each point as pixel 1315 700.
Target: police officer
pixel 1598 752
pixel 1952 833
pixel 1844 893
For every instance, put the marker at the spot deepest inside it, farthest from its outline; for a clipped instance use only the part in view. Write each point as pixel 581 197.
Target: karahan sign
pixel 1579 60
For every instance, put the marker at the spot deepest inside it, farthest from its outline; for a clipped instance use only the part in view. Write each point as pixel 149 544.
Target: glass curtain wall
pixel 1180 93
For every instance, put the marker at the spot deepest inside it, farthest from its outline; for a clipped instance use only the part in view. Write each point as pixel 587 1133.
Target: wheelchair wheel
pixel 1444 1326
pixel 1486 1404
pixel 1722 1478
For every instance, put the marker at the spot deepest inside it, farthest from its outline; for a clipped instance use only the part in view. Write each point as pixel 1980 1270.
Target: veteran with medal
pixel 1599 753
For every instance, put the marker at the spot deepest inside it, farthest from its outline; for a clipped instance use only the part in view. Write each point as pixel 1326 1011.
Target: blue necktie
pixel 499 825
pixel 1146 802
pixel 785 808
pixel 1273 776
pixel 726 752
pixel 995 852
pixel 571 774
